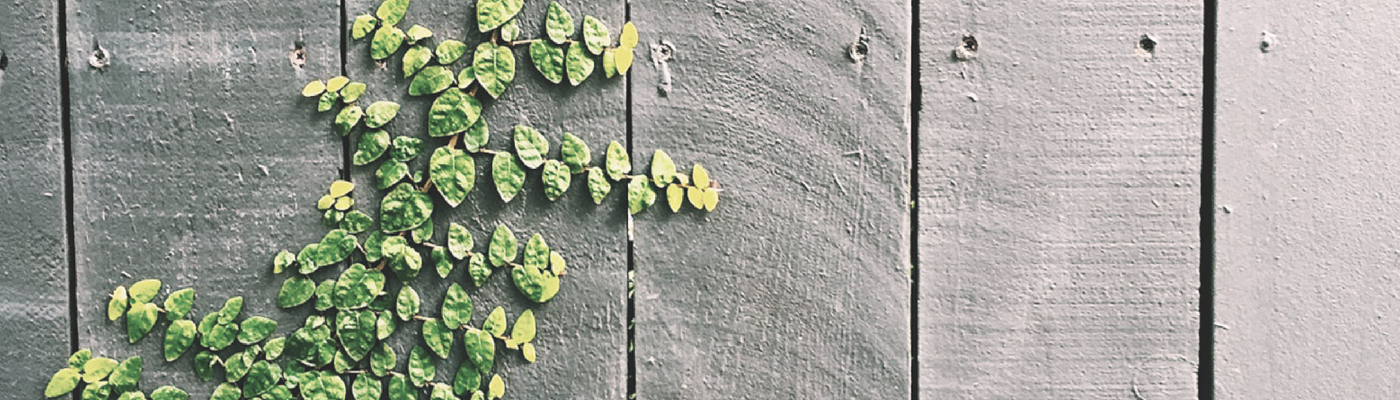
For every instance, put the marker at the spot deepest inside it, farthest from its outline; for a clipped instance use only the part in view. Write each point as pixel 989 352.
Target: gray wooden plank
pixel 1304 176
pixel 1058 200
pixel 194 157
pixel 34 337
pixel 797 285
pixel 582 331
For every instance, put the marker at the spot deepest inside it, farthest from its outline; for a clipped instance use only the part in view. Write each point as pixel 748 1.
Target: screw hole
pixel 967 50
pixel 298 55
pixel 1147 44
pixel 4 60
pixel 99 58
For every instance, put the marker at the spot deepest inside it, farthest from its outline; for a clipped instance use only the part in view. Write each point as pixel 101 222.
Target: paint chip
pixel 1267 41
pixel 967 50
pixel 860 48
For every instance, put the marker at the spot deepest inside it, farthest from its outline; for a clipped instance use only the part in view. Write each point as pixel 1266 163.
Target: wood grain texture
pixel 1306 167
pixel 195 158
pixel 582 331
pixel 796 286
pixel 1058 201
pixel 34 322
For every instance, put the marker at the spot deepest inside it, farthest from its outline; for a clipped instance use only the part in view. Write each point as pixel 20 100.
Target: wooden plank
pixel 34 337
pixel 194 157
pixel 582 331
pixel 796 286
pixel 1058 200
pixel 1305 171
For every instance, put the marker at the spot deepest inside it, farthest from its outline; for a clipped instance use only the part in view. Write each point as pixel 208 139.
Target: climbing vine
pixel 340 352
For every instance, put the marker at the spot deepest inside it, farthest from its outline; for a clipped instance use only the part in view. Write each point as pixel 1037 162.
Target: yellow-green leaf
pixel 313 88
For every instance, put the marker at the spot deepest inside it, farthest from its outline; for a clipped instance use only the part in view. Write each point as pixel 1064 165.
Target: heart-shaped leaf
pixel 618 163
pixel 450 50
pixel 507 175
pixel 414 59
pixel 372 145
pixel 558 24
pixel 380 113
pixel 438 337
pixel 639 195
pixel 491 14
pixel 504 246
pixel 459 241
pixel 530 146
pixel 420 366
pixel 179 303
pixel 453 173
pixel 364 24
pixel 404 208
pixel 548 59
pixel 452 112
pixel 386 42
pixel 481 349
pixel 580 64
pixel 556 179
pixel 430 80
pixel 598 186
pixel 575 153
pixel 456 307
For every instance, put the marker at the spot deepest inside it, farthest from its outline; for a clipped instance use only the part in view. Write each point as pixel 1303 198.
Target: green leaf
pixel 507 175
pixel 119 303
pixel 459 241
pixel 79 358
pixel 598 186
pixel 326 387
pixel 356 222
pixel 405 148
pixel 466 77
pixel 97 369
pixel 420 366
pixel 400 390
pixel 494 67
pixel 273 348
pixel 663 171
pixel 430 80
pixel 408 303
pixel 403 259
pixel 214 335
pixel 169 393
pixel 226 391
pixel 537 285
pixel 510 31
pixel 204 365
pixel 417 33
pixel 453 173
pixel 452 112
pixel 450 50
pixel 575 153
pixel 675 197
pixel 374 245
pixel 622 59
pixel 548 59
pixel 404 208
pixel 179 303
pixel 441 392
pixel 595 34
pixel 313 88
pixel 609 63
pixel 283 260
pixel 356 287
pixel 442 261
pixel 255 329
pixel 491 14
pixel 328 99
pixel 476 267
pixel 498 388
pixel 380 113
pixel 423 233
pixel 347 119
pixel 261 377
pixel 325 292
pixel 384 325
pixel 392 11
pixel 456 307
pixel 481 349
pixel 382 359
pixel 126 376
pixel 524 329
pixel 580 64
pixel 144 291
pixel 619 164
pixel 234 306
pixel 386 42
pixel 364 23
pixel 414 59
pixel 356 330
pixel 530 146
pixel 556 179
pixel 178 338
pixel 558 24
pixel 495 323
pixel 628 38
pixel 639 195
pixel 352 92
pixel 536 252
pixel 476 136
pixel 467 379
pixel 295 291
pixel 140 319
pixel 389 173
pixel 437 336
pixel 366 388
pixel 503 246
pixel 556 263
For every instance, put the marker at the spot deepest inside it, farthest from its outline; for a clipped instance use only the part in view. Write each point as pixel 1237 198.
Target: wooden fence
pixel 1070 199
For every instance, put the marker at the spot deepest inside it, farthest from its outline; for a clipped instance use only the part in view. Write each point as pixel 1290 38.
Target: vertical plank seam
pixel 915 108
pixel 631 260
pixel 1205 375
pixel 65 121
pixel 344 140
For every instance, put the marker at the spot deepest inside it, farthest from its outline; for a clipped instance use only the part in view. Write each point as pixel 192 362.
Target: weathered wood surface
pixel 582 331
pixel 34 337
pixel 194 157
pixel 1059 187
pixel 1305 198
pixel 797 285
